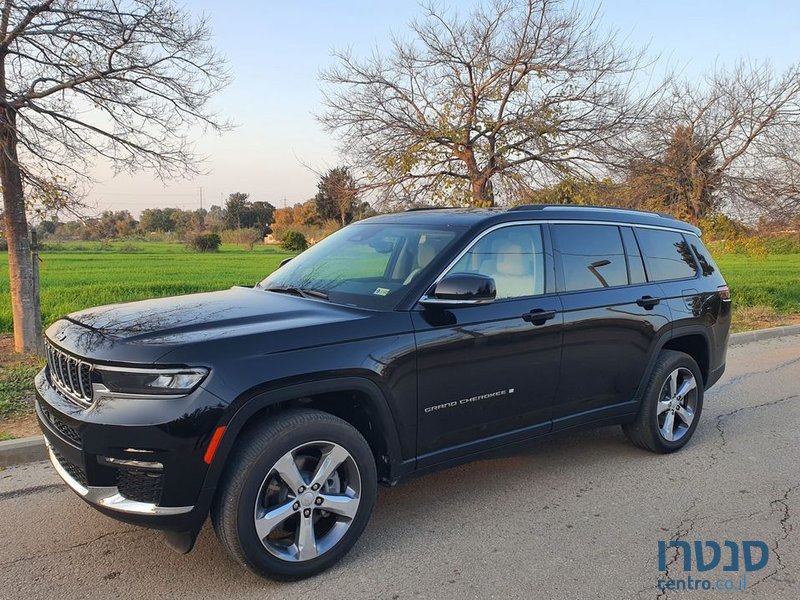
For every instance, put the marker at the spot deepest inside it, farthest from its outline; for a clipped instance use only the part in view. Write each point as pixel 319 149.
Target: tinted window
pixel 707 264
pixel 666 254
pixel 635 264
pixel 591 256
pixel 513 256
pixel 369 264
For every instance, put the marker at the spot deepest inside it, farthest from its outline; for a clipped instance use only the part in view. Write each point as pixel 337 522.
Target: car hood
pixel 146 330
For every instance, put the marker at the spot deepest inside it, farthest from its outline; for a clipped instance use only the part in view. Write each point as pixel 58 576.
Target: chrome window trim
pixel 615 223
pixel 425 297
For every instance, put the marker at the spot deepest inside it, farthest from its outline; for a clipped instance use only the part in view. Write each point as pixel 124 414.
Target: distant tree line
pixel 337 203
pixel 238 213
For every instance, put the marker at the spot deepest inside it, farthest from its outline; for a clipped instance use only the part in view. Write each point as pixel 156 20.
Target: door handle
pixel 648 302
pixel 538 316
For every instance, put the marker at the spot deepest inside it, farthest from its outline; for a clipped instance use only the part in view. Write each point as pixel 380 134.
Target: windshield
pixel 367 264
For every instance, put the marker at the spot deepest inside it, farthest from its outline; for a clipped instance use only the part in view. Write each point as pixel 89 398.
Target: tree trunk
pixel 25 307
pixel 482 192
pixel 480 179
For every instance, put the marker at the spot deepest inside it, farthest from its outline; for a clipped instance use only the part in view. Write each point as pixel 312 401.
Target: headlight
pixel 149 382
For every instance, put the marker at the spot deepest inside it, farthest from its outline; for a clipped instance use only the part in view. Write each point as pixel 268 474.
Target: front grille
pixel 74 470
pixel 141 486
pixel 70 375
pixel 63 428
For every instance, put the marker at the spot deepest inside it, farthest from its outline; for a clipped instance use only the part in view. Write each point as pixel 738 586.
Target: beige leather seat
pixel 426 252
pixel 513 271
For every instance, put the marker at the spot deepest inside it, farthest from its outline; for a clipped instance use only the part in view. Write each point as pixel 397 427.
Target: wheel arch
pixel 696 345
pixel 357 400
pixel 691 339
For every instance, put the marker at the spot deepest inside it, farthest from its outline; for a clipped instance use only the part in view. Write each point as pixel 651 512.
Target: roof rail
pixel 416 208
pixel 531 207
pixel 588 207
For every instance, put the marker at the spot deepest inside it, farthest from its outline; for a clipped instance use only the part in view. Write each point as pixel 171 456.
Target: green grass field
pixel 75 279
pixel 75 276
pixel 766 291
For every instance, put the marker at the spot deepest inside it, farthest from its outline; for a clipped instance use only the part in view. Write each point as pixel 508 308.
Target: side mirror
pixel 461 289
pixel 284 261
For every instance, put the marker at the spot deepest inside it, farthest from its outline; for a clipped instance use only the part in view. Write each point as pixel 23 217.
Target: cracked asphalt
pixel 577 516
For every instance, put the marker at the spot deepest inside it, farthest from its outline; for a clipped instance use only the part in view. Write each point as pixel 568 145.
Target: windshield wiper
pixel 302 292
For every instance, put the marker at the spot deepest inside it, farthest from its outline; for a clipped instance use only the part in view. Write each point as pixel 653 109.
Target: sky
pixel 275 51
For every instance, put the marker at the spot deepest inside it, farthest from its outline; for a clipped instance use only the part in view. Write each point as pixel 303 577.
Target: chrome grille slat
pixel 85 379
pixel 70 375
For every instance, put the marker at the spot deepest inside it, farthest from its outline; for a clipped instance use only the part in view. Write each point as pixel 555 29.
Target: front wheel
pixel 671 404
pixel 296 496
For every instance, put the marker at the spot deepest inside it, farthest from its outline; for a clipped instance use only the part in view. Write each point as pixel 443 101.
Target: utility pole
pixel 201 198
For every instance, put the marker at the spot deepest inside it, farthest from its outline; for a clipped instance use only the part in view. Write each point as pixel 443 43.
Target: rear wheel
pixel 297 495
pixel 671 405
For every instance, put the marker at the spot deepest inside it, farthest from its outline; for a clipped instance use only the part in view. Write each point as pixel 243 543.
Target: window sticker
pixel 381 291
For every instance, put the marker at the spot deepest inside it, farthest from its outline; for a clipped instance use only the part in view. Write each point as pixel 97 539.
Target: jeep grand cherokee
pixel 400 344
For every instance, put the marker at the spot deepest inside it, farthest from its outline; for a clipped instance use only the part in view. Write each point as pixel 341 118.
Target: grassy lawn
pixel 16 391
pixel 89 274
pixel 766 291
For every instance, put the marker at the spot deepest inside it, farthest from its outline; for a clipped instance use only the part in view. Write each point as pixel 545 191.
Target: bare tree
pixel 729 141
pixel 122 80
pixel 482 108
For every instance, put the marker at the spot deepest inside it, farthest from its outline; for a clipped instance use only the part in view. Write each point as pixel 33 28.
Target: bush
pixel 294 241
pixel 204 242
pixel 313 233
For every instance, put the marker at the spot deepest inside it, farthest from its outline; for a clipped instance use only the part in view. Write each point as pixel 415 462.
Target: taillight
pixel 724 293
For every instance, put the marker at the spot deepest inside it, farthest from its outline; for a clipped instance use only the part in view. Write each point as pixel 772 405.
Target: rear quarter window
pixel 667 255
pixel 707 264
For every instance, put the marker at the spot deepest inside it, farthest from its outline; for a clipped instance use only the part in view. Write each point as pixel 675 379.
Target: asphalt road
pixel 578 516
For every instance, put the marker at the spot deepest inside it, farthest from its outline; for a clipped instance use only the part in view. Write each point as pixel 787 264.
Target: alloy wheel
pixel 677 404
pixel 307 501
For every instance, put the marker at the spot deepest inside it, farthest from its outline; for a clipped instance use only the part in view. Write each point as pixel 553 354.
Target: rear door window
pixel 592 256
pixel 667 255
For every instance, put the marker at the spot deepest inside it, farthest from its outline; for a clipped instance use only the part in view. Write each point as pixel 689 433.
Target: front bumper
pixel 142 464
pixel 109 497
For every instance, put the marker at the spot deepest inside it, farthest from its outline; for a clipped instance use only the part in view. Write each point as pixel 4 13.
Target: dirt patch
pixel 20 427
pixel 16 391
pixel 760 317
pixel 8 357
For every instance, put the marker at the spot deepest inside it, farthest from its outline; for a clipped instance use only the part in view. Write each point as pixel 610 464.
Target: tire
pixel 672 372
pixel 263 521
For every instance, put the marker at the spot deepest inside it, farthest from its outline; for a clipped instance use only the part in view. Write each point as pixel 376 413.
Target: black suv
pixel 401 344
